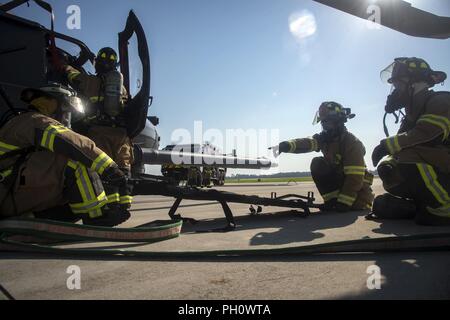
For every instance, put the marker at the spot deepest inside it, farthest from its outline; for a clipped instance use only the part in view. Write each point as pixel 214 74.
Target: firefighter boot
pixel 111 215
pixel 387 206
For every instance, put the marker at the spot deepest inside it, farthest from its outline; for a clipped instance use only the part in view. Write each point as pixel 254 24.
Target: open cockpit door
pixel 136 78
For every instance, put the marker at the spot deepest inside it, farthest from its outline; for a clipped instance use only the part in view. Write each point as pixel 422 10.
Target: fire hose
pixel 12 230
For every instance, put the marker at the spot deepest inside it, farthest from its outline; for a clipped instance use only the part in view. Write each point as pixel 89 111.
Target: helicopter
pixel 40 52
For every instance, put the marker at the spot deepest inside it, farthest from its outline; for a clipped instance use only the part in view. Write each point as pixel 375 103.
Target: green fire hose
pixel 13 233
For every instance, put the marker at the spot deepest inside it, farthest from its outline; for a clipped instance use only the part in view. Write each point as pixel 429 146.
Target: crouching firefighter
pixel 48 170
pixel 105 119
pixel 340 175
pixel 417 172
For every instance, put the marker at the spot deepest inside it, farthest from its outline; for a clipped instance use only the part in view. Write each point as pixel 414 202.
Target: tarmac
pixel 407 275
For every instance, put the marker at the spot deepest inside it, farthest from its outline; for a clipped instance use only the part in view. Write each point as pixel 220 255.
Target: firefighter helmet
pixel 106 60
pixel 412 70
pixel 55 101
pixel 331 111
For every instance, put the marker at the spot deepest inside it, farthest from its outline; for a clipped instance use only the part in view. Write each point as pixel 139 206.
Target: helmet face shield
pixel 76 104
pixel 72 109
pixel 316 119
pixel 386 73
pixel 397 70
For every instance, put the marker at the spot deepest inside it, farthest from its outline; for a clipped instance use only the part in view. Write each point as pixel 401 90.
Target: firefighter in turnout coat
pixel 340 175
pixel 105 121
pixel 417 171
pixel 48 170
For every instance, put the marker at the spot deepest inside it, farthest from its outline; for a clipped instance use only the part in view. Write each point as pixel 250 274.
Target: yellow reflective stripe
pixel 368 180
pixel 126 199
pixel 354 173
pixel 441 211
pixel 50 133
pixel 90 188
pixel 6 173
pixel 102 162
pixel 355 167
pixel 430 178
pixel 113 197
pixel 72 75
pixel 90 202
pixel 441 122
pixel 355 170
pixel 393 145
pixel 346 199
pixel 292 145
pixel 96 99
pixel 4 147
pixel 443 119
pixel 85 206
pixel 72 164
pixel 331 195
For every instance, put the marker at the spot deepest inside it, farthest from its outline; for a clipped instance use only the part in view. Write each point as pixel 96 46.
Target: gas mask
pixel 400 97
pixel 331 130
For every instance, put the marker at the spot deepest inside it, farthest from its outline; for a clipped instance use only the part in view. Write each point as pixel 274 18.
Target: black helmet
pixel 413 69
pixel 106 60
pixel 331 111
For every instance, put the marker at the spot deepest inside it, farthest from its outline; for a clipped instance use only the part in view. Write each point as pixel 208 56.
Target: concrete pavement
pixel 404 275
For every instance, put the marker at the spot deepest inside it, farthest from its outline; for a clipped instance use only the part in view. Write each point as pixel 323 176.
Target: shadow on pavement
pixel 419 275
pixel 292 227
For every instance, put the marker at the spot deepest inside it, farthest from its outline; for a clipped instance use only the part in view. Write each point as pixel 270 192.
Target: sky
pixel 261 66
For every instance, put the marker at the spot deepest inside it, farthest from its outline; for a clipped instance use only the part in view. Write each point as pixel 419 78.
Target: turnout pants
pixel 116 143
pixel 329 180
pixel 50 182
pixel 424 184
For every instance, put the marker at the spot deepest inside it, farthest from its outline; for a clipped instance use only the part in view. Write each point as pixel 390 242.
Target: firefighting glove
pixel 378 153
pixel 113 176
pixel 341 207
pixel 275 151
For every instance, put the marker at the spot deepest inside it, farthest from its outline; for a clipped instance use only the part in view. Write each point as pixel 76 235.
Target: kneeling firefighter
pixel 417 172
pixel 50 171
pixel 105 121
pixel 340 175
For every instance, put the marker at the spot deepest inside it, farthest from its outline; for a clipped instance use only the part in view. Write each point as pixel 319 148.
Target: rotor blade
pixel 398 15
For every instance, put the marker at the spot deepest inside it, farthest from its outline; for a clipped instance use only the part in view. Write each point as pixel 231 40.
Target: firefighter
pixel 105 121
pixel 340 175
pixel 417 172
pixel 44 165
